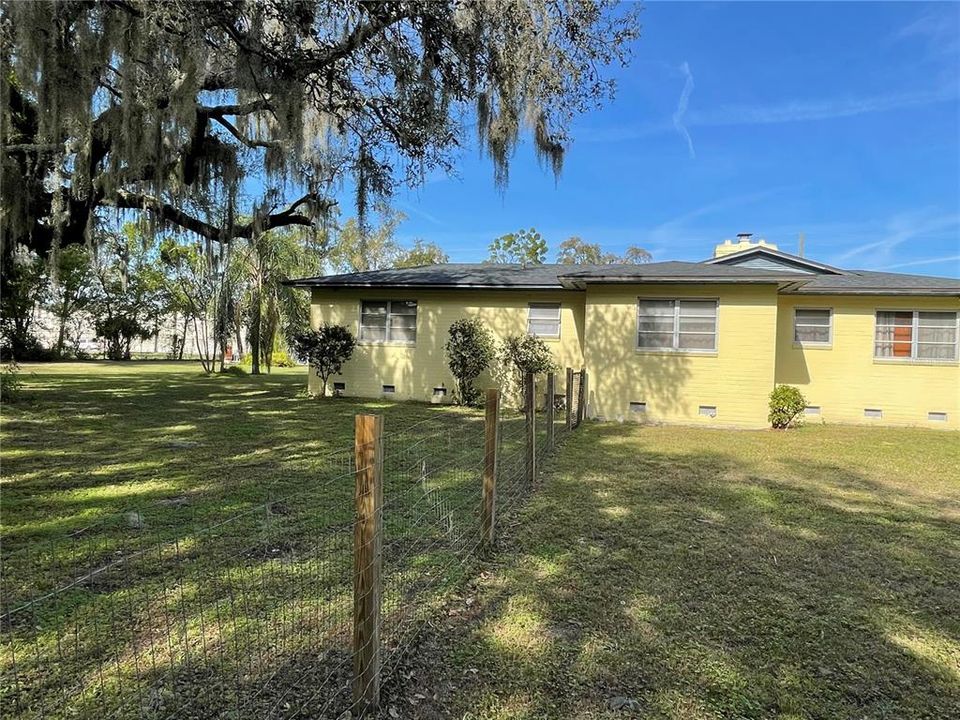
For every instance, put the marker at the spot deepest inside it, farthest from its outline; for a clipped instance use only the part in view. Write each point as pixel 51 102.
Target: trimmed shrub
pixel 522 354
pixel 470 349
pixel 326 349
pixel 786 407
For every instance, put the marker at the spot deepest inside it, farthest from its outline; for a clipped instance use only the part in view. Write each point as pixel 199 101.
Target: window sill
pixel 666 351
pixel 914 361
pixel 812 346
pixel 546 338
pixel 386 343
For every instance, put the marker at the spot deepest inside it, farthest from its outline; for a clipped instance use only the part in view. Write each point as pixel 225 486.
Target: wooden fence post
pixel 551 411
pixel 491 435
pixel 569 398
pixel 367 559
pixel 530 409
pixel 581 396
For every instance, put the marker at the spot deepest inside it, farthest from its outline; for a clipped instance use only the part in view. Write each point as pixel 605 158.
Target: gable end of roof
pixel 772 258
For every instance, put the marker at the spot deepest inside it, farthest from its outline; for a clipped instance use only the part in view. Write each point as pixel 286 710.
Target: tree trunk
pixel 183 341
pixel 62 334
pixel 269 332
pixel 202 352
pixel 255 331
pixel 237 330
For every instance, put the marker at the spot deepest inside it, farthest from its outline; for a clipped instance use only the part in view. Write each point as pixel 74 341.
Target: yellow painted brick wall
pixel 416 370
pixel 844 379
pixel 737 378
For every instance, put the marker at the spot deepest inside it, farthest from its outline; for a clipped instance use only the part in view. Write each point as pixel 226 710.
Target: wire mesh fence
pixel 255 615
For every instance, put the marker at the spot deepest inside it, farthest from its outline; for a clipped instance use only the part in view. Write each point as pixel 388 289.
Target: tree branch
pixel 360 35
pixel 246 141
pixel 169 213
pixel 137 201
pixel 236 109
pixel 27 148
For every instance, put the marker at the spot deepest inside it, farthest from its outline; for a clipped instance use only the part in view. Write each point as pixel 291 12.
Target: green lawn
pixel 690 573
pixel 189 538
pixel 198 531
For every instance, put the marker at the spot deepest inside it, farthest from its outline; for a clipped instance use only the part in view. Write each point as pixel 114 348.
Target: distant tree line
pixel 130 284
pixel 527 247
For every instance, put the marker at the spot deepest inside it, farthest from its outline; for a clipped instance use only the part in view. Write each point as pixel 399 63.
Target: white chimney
pixel 743 242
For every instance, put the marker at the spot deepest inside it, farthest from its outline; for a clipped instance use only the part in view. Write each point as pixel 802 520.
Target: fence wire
pixel 251 615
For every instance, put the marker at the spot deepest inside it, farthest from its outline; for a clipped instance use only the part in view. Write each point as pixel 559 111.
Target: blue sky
pixel 841 121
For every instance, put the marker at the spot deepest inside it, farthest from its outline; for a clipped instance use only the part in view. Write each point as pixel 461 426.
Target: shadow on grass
pixel 184 543
pixel 731 576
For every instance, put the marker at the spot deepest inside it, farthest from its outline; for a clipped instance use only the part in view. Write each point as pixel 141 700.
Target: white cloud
pixel 928 261
pixel 813 110
pixel 681 110
pixel 908 227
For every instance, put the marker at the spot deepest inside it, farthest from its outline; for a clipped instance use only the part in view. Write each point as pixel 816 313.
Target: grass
pixel 690 573
pixel 189 538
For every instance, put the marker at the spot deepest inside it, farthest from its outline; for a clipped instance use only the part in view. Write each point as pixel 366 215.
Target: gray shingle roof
pixel 867 282
pixel 556 277
pixel 546 276
pixel 450 275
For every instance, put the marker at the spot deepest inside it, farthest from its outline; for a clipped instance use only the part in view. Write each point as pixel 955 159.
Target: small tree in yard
pixel 522 354
pixel 470 349
pixel 786 407
pixel 326 349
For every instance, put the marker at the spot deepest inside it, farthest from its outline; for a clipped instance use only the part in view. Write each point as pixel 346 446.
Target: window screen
pixel 812 325
pixel 388 321
pixel 687 325
pixel 543 320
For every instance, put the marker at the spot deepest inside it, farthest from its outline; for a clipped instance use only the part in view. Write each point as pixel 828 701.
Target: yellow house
pixel 672 342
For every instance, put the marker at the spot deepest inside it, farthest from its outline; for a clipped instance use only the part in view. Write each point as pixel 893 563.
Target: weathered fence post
pixel 569 399
pixel 367 559
pixel 491 431
pixel 582 396
pixel 530 409
pixel 551 411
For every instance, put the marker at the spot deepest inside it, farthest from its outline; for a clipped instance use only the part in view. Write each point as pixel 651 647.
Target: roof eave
pixel 938 292
pixel 582 281
pixel 308 285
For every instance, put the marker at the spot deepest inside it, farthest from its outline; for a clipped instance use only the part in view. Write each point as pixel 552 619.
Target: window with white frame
pixel 813 326
pixel 388 321
pixel 916 335
pixel 675 324
pixel 543 320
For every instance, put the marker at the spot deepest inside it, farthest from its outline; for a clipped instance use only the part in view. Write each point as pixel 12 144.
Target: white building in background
pixel 81 334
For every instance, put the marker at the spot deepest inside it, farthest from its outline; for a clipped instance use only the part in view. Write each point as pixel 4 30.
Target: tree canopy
pixel 168 108
pixel 525 247
pixel 577 251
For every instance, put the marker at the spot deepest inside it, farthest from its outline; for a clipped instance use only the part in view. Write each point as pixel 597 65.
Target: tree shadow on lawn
pixel 699 584
pixel 225 583
pixel 88 446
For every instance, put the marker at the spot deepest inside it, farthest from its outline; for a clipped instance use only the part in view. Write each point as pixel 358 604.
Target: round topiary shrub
pixel 470 348
pixel 786 407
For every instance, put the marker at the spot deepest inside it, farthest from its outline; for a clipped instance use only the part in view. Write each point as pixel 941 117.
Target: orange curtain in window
pixel 902 341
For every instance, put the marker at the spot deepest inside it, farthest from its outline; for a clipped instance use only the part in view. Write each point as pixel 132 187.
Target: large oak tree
pixel 228 118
